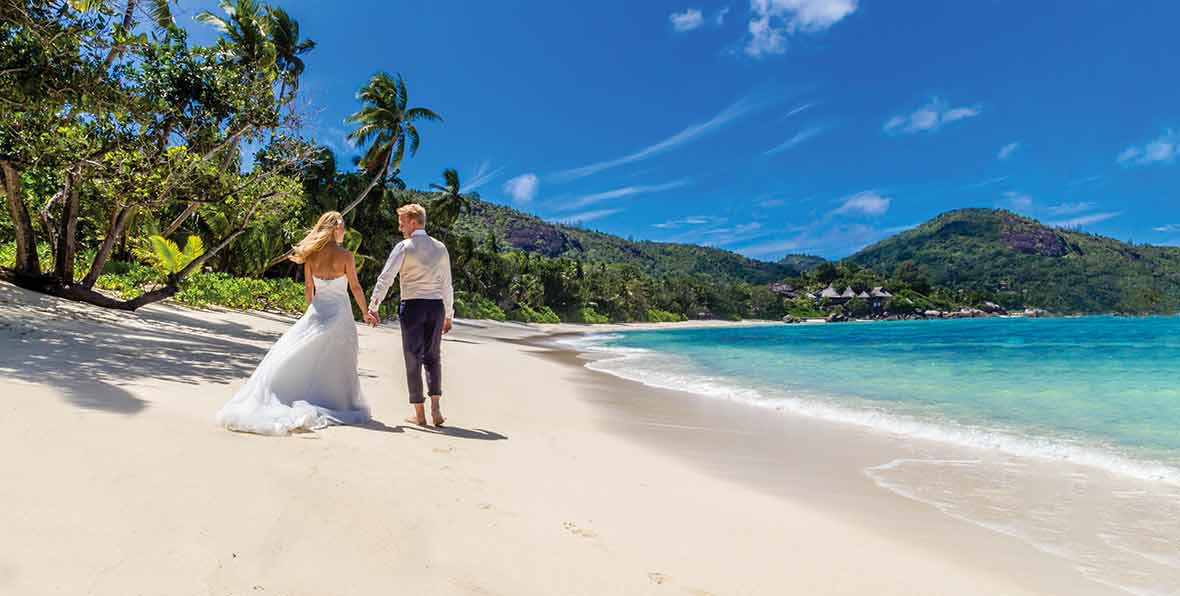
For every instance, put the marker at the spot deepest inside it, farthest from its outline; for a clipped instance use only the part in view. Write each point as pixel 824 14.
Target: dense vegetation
pixel 1016 261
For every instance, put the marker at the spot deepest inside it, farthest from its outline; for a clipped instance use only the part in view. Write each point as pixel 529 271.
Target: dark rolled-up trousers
pixel 422 330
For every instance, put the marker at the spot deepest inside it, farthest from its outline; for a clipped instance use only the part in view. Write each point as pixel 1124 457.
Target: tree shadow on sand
pixel 89 354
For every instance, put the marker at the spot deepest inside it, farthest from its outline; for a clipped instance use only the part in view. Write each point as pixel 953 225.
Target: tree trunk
pixel 77 293
pixel 66 236
pixel 108 244
pixel 48 226
pixel 26 238
pixel 128 21
pixel 188 211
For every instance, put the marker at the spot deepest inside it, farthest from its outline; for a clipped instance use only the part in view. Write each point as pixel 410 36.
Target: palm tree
pixel 247 29
pixel 386 125
pixel 159 12
pixel 450 204
pixel 284 34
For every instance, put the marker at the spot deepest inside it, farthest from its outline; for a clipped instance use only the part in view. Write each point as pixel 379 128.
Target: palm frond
pixel 422 114
pixel 396 162
pixel 451 176
pixel 207 18
pixel 402 96
pixel 414 139
pixel 161 14
pixel 193 248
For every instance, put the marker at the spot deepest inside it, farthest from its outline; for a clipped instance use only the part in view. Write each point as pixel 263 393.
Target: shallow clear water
pixel 1107 387
pixel 1063 433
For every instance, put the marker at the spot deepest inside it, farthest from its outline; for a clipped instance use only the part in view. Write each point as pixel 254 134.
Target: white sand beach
pixel 551 480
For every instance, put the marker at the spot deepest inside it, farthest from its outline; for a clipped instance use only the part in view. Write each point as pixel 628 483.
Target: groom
pixel 427 307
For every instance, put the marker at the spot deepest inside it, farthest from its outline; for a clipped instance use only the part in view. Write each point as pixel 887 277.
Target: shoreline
pixel 859 454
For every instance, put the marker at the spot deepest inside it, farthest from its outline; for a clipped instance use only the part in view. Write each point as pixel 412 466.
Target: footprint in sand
pixel 576 531
pixel 658 578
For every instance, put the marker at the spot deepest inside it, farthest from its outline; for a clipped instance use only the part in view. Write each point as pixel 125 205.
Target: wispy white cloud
pixel 522 188
pixel 930 117
pixel 983 183
pixel 865 203
pixel 771 247
pixel 795 140
pixel 1018 200
pixel 799 109
pixel 1167 228
pixel 1163 149
pixel 1007 150
pixel 694 220
pixel 772 21
pixel 585 216
pixel 686 20
pixel 732 234
pixel 482 176
pixel 625 191
pixel 696 131
pixel 1086 180
pixel 841 239
pixel 1086 220
pixel 720 17
pixel 1070 208
pixel 898 229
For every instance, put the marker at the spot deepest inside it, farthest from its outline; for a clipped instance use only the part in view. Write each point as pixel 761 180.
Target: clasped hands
pixel 373 320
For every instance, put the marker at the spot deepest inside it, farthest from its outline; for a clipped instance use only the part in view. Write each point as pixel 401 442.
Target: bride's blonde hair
pixel 318 237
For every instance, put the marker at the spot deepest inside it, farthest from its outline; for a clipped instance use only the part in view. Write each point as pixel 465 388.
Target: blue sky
pixel 770 127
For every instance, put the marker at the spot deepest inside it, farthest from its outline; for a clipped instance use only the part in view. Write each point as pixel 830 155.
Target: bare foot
pixel 415 420
pixel 436 417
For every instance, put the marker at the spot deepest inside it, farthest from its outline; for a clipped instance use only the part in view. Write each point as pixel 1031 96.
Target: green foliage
pixel 8 255
pixel 858 308
pixel 221 289
pixel 588 315
pixel 166 257
pixel 802 263
pixel 525 314
pixel 804 308
pixel 474 306
pixel 129 279
pixel 655 315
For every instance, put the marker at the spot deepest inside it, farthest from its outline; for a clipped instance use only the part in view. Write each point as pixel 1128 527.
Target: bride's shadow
pixel 458 432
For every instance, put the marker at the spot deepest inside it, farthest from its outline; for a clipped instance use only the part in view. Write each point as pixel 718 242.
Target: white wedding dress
pixel 308 380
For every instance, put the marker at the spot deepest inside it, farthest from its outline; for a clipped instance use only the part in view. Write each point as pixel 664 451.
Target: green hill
pixel 802 263
pixel 1018 261
pixel 533 234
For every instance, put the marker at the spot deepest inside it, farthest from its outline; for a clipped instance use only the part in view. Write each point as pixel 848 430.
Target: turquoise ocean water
pixel 1101 390
pixel 1096 398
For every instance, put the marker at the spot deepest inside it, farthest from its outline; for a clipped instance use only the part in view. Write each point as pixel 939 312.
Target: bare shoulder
pixel 342 254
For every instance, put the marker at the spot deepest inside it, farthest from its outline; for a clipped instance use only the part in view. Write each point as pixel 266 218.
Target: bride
pixel 308 379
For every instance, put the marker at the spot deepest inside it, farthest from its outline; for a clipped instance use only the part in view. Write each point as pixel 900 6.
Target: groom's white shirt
pixel 425 268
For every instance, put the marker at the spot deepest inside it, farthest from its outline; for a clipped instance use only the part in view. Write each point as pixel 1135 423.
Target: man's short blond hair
pixel 414 210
